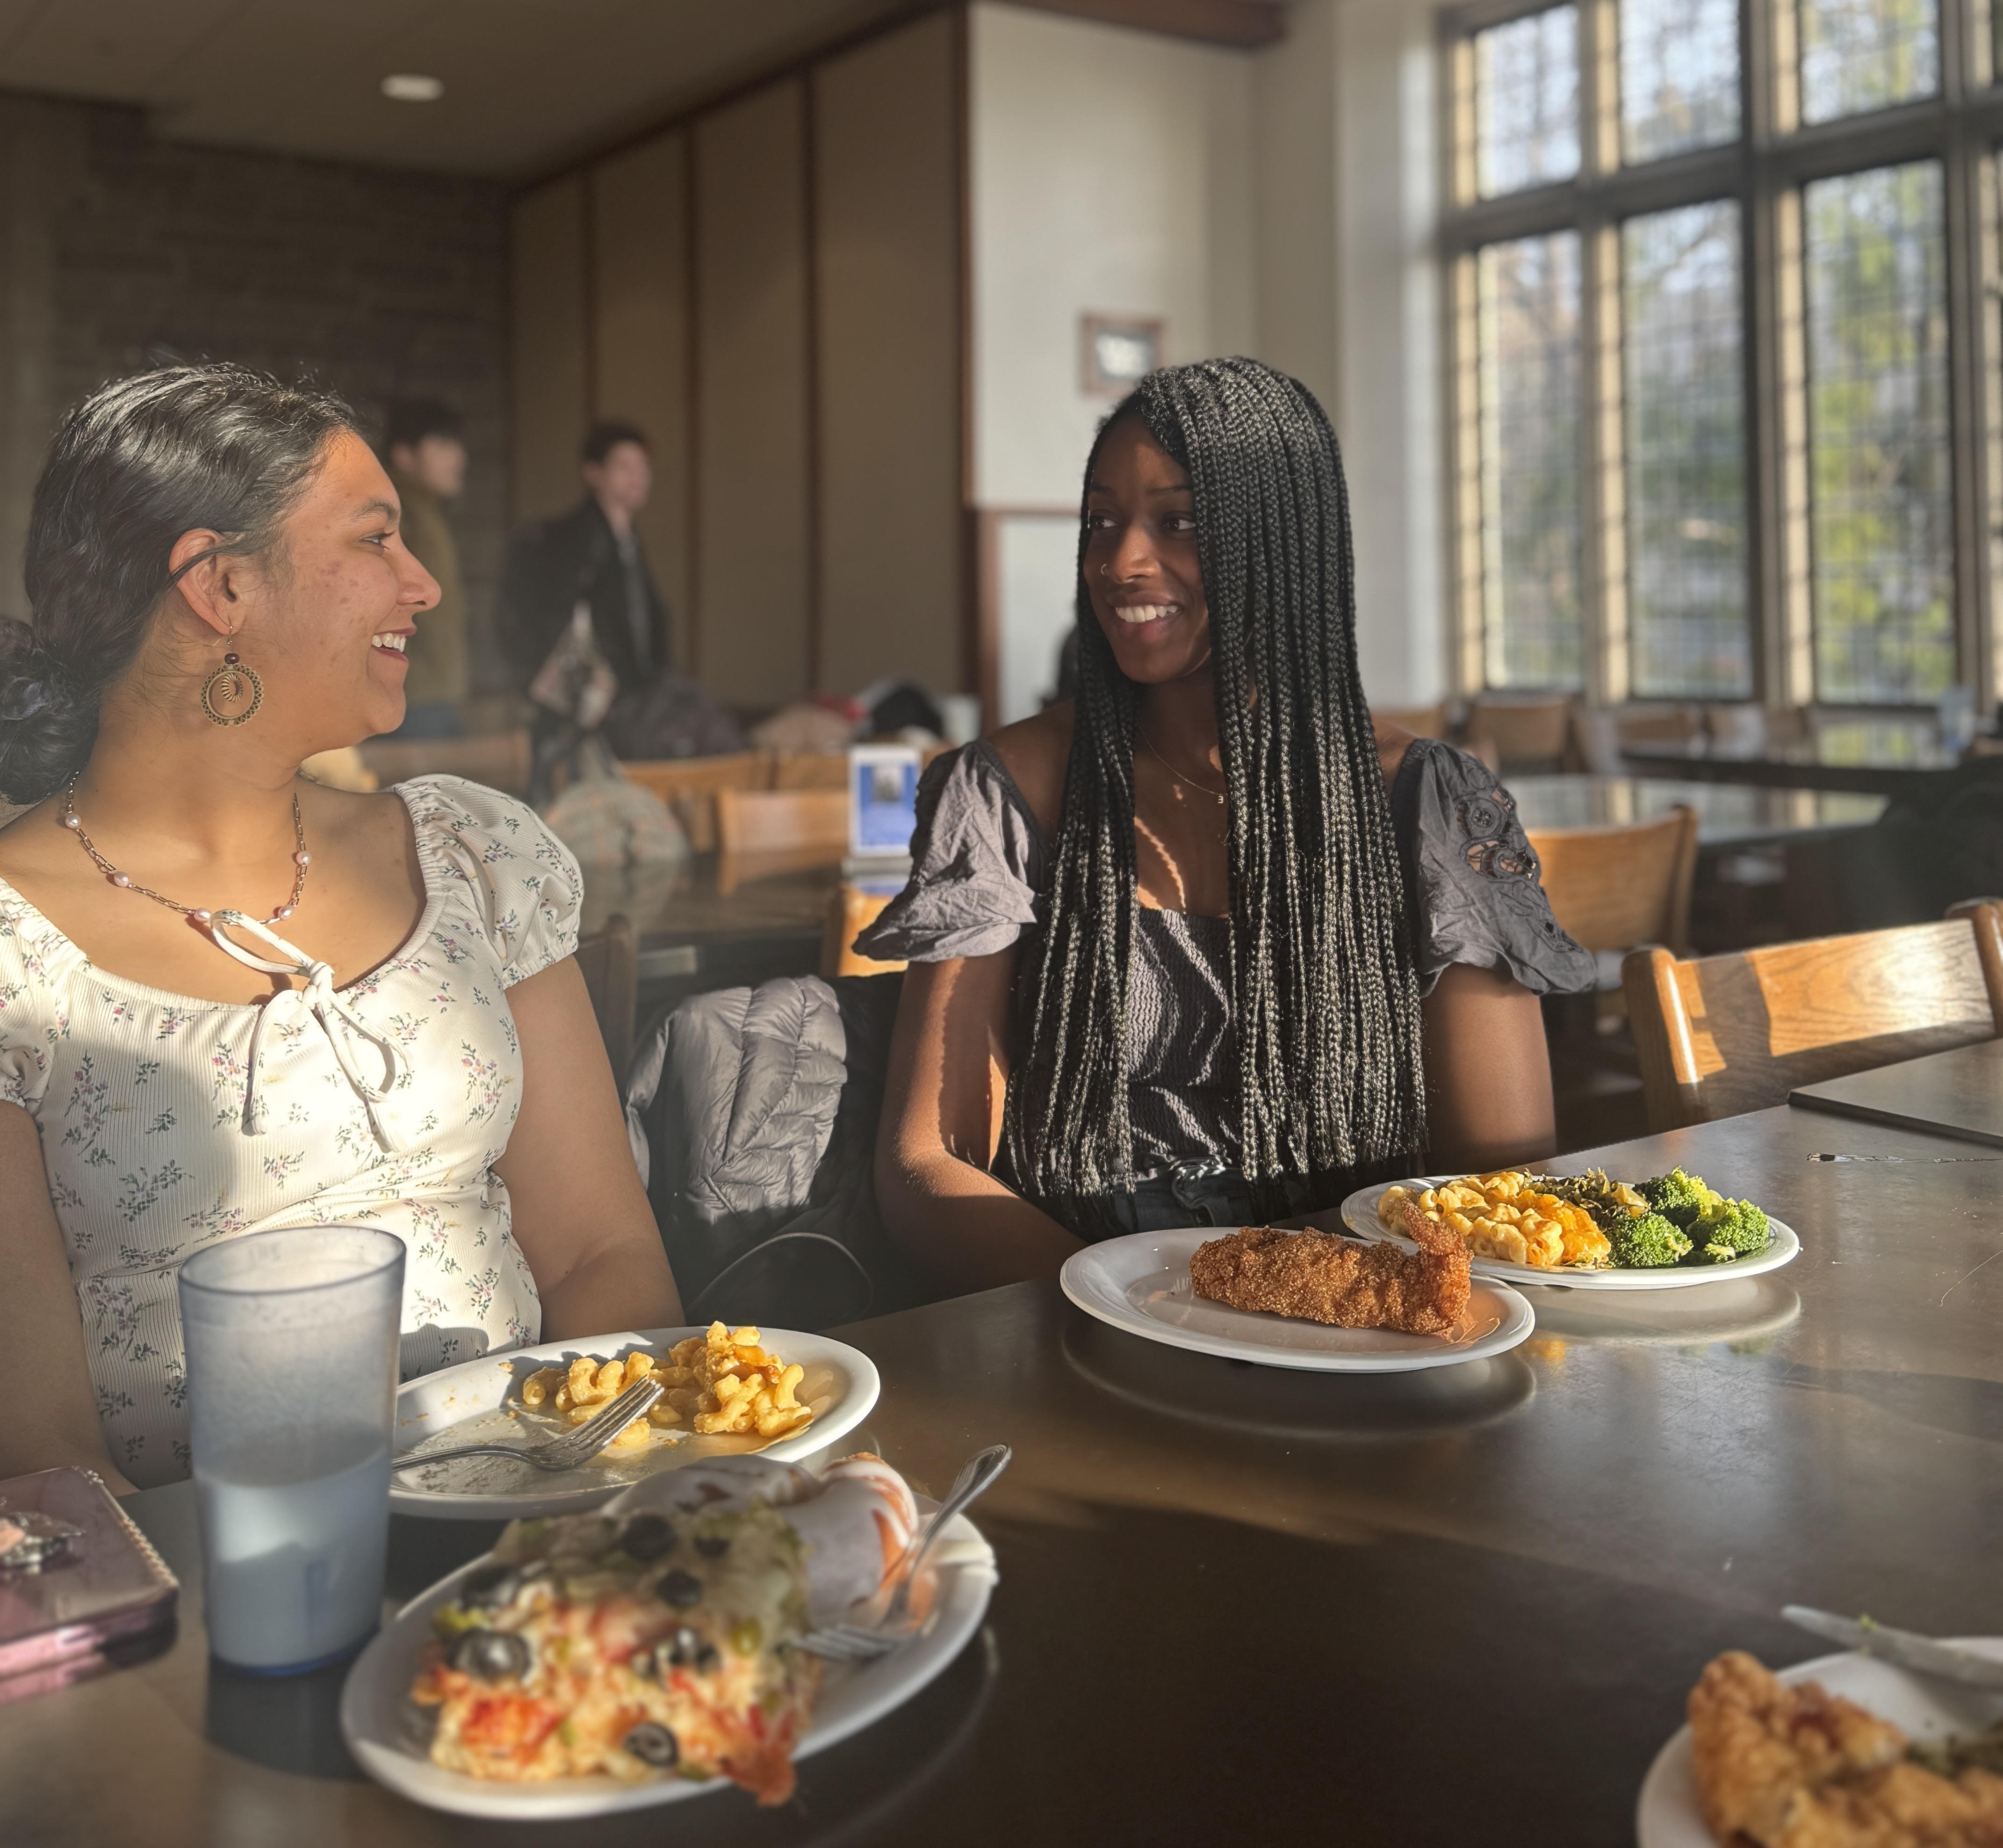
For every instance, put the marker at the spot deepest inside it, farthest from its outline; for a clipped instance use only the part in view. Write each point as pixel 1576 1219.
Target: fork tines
pixel 603 1425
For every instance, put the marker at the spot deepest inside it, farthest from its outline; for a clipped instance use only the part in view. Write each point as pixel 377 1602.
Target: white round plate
pixel 1359 1214
pixel 386 1733
pixel 467 1404
pixel 1141 1283
pixel 1667 1814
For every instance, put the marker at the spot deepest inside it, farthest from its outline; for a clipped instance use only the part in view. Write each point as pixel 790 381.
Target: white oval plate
pixel 1141 1283
pixel 467 1402
pixel 386 1734
pixel 1667 1815
pixel 1359 1214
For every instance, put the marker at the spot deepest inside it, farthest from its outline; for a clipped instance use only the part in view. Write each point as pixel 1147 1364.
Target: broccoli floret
pixel 1677 1196
pixel 1728 1229
pixel 1648 1242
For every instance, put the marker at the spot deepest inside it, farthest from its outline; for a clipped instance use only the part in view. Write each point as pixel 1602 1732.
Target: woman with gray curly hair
pixel 232 1000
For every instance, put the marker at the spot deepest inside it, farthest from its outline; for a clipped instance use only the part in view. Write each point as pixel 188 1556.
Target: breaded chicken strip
pixel 1339 1281
pixel 1902 1806
pixel 1757 1742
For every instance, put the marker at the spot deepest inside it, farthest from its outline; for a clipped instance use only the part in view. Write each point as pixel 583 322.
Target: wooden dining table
pixel 1239 1604
pixel 1913 767
pixel 1957 1093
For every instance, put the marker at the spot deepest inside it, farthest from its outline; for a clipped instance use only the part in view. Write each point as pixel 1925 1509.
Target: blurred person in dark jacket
pixel 590 556
pixel 425 447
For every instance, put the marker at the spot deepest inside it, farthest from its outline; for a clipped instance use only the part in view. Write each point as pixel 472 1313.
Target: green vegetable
pixel 1719 1230
pixel 1677 1196
pixel 1648 1243
pixel 746 1635
pixel 1729 1228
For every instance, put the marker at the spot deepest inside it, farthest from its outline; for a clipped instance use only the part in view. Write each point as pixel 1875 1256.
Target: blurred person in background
pixel 591 556
pixel 425 445
pixel 587 629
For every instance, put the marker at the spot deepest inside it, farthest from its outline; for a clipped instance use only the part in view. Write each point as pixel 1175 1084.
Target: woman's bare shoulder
pixel 1036 753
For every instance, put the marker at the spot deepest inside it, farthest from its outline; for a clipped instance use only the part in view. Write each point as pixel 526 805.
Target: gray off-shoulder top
pixel 981 867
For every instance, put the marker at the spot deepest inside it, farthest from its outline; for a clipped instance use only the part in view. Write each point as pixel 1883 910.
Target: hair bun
pixel 48 725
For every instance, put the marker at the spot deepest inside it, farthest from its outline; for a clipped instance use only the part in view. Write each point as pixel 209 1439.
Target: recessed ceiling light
pixel 407 86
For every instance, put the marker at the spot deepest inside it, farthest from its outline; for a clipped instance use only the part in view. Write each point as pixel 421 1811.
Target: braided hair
pixel 1324 998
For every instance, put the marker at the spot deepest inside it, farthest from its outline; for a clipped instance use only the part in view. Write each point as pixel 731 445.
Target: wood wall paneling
pixel 885 221
pixel 639 295
pixel 549 345
pixel 752 461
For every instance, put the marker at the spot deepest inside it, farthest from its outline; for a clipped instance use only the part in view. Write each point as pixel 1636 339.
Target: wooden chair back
pixel 1527 734
pixel 1724 1034
pixel 1612 888
pixel 609 959
pixel 500 759
pixel 782 820
pixel 850 909
pixel 810 770
pixel 689 786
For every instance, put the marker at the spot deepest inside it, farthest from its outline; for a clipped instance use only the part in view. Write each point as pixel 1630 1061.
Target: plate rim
pixel 1672 1759
pixel 867 1387
pixel 1119 1315
pixel 962 1607
pixel 1785 1248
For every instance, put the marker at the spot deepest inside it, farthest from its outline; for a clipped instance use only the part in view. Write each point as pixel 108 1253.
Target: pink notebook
pixel 104 1598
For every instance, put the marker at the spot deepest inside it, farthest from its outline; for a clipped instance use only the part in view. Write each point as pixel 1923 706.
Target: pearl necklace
pixel 301 859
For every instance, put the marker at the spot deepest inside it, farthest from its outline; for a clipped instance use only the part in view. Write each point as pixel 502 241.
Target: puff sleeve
pixel 978 864
pixel 1472 878
pixel 523 883
pixel 32 1014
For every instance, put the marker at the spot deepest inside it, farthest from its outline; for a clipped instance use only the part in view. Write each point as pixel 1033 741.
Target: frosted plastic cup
pixel 292 1375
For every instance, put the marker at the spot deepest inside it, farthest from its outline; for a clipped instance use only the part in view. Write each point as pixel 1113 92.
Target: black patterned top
pixel 981 867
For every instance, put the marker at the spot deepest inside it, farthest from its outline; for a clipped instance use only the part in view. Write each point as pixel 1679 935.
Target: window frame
pixel 1764 169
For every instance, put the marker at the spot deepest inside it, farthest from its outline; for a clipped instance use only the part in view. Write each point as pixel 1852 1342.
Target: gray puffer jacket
pixel 753 1114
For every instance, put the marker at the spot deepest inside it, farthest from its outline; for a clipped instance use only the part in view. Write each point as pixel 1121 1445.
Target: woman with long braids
pixel 1203 946
pixel 232 1000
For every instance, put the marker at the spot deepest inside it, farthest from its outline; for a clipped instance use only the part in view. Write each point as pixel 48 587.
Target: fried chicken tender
pixel 1756 1743
pixel 1902 1806
pixel 1797 1767
pixel 1338 1281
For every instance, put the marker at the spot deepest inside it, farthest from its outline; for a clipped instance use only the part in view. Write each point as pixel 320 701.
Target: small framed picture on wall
pixel 1118 351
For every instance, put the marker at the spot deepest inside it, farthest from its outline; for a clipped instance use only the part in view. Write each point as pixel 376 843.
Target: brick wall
pixel 118 250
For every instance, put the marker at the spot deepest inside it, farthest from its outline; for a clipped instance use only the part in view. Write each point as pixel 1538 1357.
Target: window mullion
pixel 1603 569
pixel 1967 407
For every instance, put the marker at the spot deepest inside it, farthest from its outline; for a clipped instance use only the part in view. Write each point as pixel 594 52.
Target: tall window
pixel 1725 315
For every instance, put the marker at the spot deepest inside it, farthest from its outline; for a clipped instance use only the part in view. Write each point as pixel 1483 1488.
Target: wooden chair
pixel 501 759
pixel 1723 1034
pixel 1612 888
pixel 850 909
pixel 609 961
pixel 1529 734
pixel 689 785
pixel 810 770
pixel 782 820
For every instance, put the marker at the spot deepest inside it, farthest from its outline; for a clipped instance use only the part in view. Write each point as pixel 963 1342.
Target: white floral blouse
pixel 167 1122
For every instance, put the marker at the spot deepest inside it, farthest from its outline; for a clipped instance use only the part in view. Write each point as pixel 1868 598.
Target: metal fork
pixel 564 1452
pixel 858 1642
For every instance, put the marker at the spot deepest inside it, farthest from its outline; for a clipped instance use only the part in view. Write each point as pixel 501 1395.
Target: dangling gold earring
pixel 229 682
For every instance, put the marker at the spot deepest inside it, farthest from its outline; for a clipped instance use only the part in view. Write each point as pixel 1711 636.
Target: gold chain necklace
pixel 1218 795
pixel 301 860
